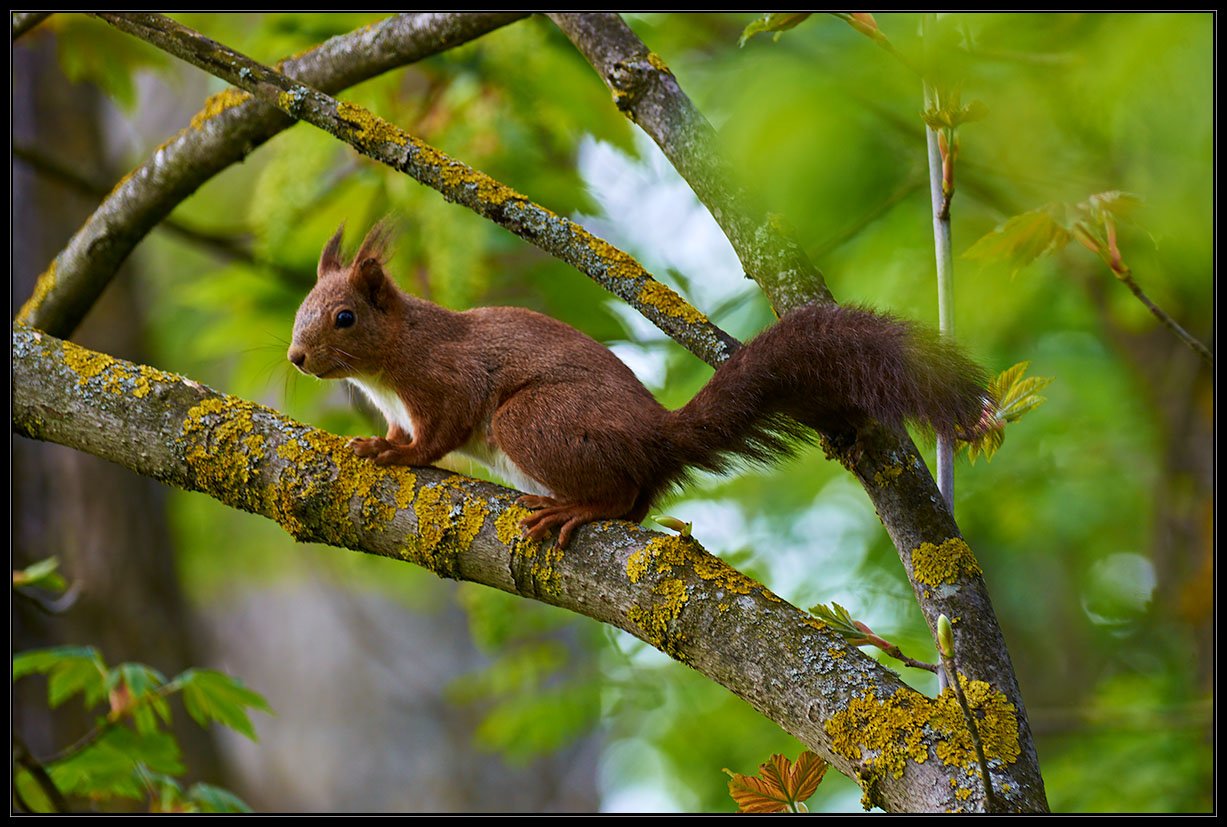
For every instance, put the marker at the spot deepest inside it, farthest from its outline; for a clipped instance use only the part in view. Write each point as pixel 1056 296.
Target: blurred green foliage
pixel 1105 614
pixel 130 756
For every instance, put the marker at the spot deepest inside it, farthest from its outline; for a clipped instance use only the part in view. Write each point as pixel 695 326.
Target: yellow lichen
pixel 367 128
pixel 324 475
pixel 836 652
pixel 507 526
pixel 617 264
pixel 654 619
pixel 42 287
pixel 887 474
pixel 86 363
pixel 664 553
pixel 222 452
pixel 112 375
pixel 445 528
pixel 883 735
pixel 947 563
pixel 219 103
pixel 657 295
pixel 456 175
pixel 658 63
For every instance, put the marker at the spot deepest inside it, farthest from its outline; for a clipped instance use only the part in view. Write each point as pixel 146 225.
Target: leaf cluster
pixel 130 754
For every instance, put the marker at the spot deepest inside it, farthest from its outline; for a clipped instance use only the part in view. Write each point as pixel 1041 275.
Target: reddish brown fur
pixel 571 416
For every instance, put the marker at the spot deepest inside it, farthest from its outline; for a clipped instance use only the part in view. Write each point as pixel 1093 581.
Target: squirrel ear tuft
pixel 330 258
pixel 371 282
pixel 378 242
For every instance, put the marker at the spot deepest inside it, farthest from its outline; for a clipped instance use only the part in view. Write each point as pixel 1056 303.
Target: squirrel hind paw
pixel 568 517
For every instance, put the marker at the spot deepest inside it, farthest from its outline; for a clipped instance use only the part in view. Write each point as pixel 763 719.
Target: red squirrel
pixel 556 413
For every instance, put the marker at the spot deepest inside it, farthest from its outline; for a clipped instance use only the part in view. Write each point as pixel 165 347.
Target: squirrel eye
pixel 345 318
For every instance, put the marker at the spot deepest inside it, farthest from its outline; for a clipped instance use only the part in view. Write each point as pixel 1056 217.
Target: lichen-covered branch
pixel 887 463
pixel 382 141
pixel 647 92
pixel 910 752
pixel 229 127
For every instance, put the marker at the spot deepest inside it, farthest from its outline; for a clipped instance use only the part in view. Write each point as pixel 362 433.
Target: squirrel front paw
pixel 369 446
pixel 382 452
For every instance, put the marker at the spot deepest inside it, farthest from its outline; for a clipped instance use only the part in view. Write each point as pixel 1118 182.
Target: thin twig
pixel 912 662
pixel 945 274
pixel 1125 275
pixel 991 802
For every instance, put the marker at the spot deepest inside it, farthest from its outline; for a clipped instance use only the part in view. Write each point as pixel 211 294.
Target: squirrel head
pixel 343 325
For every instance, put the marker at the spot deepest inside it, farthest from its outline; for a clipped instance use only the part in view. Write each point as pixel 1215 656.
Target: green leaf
pixel 1016 395
pixel 210 799
pixel 70 669
pixel 31 791
pixel 43 574
pixel 210 695
pixel 142 698
pixel 777 22
pixel 1113 202
pixel 166 788
pixel 111 767
pixel 1022 239
pixel 986 445
pixel 837 618
pixel 89 50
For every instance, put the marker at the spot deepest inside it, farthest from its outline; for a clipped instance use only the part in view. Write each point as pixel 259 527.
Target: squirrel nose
pixel 298 356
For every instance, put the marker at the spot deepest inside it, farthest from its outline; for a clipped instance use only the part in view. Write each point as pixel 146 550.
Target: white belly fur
pixel 479 448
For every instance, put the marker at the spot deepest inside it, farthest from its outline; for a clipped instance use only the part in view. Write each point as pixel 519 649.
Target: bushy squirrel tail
pixel 832 368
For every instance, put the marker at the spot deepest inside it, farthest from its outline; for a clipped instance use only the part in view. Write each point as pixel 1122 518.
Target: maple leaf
pixel 781 786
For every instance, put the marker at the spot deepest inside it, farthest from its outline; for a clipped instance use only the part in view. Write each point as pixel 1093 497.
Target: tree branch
pixel 646 91
pixel 886 463
pixel 665 590
pixel 22 22
pixel 380 140
pixel 224 132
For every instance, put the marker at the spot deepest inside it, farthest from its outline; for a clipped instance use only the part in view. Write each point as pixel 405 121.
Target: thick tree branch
pixel 911 752
pixel 226 131
pixel 647 92
pixel 940 566
pixel 380 140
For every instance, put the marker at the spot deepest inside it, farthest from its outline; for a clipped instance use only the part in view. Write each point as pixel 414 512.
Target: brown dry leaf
pixel 782 785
